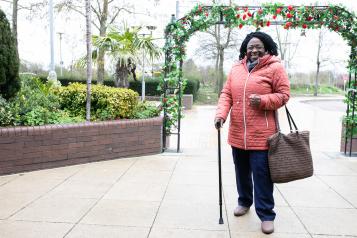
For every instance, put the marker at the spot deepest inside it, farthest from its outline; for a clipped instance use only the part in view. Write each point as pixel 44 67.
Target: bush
pixel 192 87
pixel 35 99
pixel 151 85
pixel 146 110
pixel 106 102
pixel 6 115
pixel 9 60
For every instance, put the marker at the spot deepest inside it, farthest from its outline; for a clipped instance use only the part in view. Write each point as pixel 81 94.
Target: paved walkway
pixel 175 195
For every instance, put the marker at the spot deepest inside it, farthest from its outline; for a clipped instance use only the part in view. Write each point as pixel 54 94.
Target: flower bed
pixel 40 147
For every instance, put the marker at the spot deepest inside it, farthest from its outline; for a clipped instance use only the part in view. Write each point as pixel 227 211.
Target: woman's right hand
pixel 218 123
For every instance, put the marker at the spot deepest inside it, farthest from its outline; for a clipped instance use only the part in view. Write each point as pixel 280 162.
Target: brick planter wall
pixel 342 145
pixel 39 147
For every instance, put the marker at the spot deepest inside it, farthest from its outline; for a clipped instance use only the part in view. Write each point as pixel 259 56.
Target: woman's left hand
pixel 254 100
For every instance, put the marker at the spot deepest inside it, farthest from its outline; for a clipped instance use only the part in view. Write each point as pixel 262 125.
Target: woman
pixel 256 87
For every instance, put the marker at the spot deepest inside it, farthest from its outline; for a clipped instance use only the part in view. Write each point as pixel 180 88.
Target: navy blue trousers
pixel 248 163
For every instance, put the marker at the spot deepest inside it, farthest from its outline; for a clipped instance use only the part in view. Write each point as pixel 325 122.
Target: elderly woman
pixel 256 87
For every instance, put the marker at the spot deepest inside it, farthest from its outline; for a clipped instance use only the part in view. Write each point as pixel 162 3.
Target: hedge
pixel 151 85
pixel 106 102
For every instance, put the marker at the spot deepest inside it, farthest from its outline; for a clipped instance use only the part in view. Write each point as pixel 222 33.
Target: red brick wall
pixel 39 147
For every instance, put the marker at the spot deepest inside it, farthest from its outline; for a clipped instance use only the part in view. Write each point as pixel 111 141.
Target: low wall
pixel 39 147
pixel 342 144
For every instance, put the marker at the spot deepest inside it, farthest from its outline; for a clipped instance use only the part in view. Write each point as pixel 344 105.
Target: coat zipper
pixel 244 99
pixel 244 119
pixel 266 119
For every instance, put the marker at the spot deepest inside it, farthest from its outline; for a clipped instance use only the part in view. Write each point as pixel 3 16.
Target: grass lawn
pixel 207 96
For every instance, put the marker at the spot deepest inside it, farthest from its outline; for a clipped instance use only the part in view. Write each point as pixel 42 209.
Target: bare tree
pixel 318 62
pixel 105 12
pixel 16 7
pixel 215 46
pixel 89 56
pixel 287 49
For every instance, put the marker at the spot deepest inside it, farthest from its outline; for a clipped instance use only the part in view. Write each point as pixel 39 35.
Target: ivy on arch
pixel 200 18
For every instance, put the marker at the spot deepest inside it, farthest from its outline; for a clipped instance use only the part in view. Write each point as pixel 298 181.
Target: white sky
pixel 34 36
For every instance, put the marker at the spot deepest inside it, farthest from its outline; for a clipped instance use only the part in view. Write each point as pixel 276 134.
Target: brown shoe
pixel 268 227
pixel 240 211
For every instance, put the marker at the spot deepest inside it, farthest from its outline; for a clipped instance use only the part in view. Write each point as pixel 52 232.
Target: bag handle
pixel 290 120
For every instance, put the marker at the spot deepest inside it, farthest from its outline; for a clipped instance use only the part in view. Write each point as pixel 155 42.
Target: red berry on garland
pixel 240 26
pixel 278 11
pixel 335 17
pixel 309 18
pixel 288 25
pixel 238 16
pixel 268 23
pixel 274 17
pixel 289 15
pixel 304 26
pixel 244 17
pixel 206 13
pixel 237 8
pixel 246 9
pixel 164 100
pixel 260 11
pixel 249 14
pixel 199 8
pixel 290 8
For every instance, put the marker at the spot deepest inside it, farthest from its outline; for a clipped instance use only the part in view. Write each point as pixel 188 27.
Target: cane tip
pixel 221 221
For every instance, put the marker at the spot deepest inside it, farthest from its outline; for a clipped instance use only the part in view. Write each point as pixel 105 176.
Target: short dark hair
pixel 269 44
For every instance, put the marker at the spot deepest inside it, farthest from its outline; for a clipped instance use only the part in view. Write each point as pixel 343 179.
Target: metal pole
pixel 220 221
pixel 143 79
pixel 179 107
pixel 177 9
pixel 60 51
pixel 52 66
pixel 353 115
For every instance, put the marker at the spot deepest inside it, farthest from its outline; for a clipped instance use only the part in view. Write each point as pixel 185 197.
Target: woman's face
pixel 255 49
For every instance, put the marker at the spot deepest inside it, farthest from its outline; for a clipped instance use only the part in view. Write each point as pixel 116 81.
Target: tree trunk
pixel 216 75
pixel 220 70
pixel 121 75
pixel 316 88
pixel 14 19
pixel 102 32
pixel 89 57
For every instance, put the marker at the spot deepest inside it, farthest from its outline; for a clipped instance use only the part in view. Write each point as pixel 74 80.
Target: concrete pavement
pixel 175 195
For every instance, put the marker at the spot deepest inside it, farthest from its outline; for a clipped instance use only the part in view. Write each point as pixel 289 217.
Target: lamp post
pixel 52 74
pixel 151 28
pixel 60 51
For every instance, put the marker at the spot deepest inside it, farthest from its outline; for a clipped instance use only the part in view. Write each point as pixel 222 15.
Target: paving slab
pixel 176 194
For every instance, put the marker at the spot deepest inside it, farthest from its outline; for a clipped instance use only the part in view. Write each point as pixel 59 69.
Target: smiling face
pixel 255 49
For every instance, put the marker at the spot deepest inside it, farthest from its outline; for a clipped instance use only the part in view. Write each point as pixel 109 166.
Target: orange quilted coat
pixel 250 127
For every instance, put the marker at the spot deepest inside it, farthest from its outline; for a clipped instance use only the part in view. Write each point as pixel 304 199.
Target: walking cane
pixel 220 177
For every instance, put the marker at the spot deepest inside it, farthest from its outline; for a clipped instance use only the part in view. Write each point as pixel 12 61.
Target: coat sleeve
pixel 225 100
pixel 281 91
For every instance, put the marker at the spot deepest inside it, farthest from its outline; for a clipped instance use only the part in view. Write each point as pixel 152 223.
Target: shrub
pixel 35 99
pixel 9 60
pixel 106 102
pixel 146 110
pixel 6 115
pixel 151 85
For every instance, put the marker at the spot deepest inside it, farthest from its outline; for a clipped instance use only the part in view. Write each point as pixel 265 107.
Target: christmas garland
pixel 200 18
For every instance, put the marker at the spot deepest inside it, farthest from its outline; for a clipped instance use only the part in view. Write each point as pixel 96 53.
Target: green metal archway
pixel 200 18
